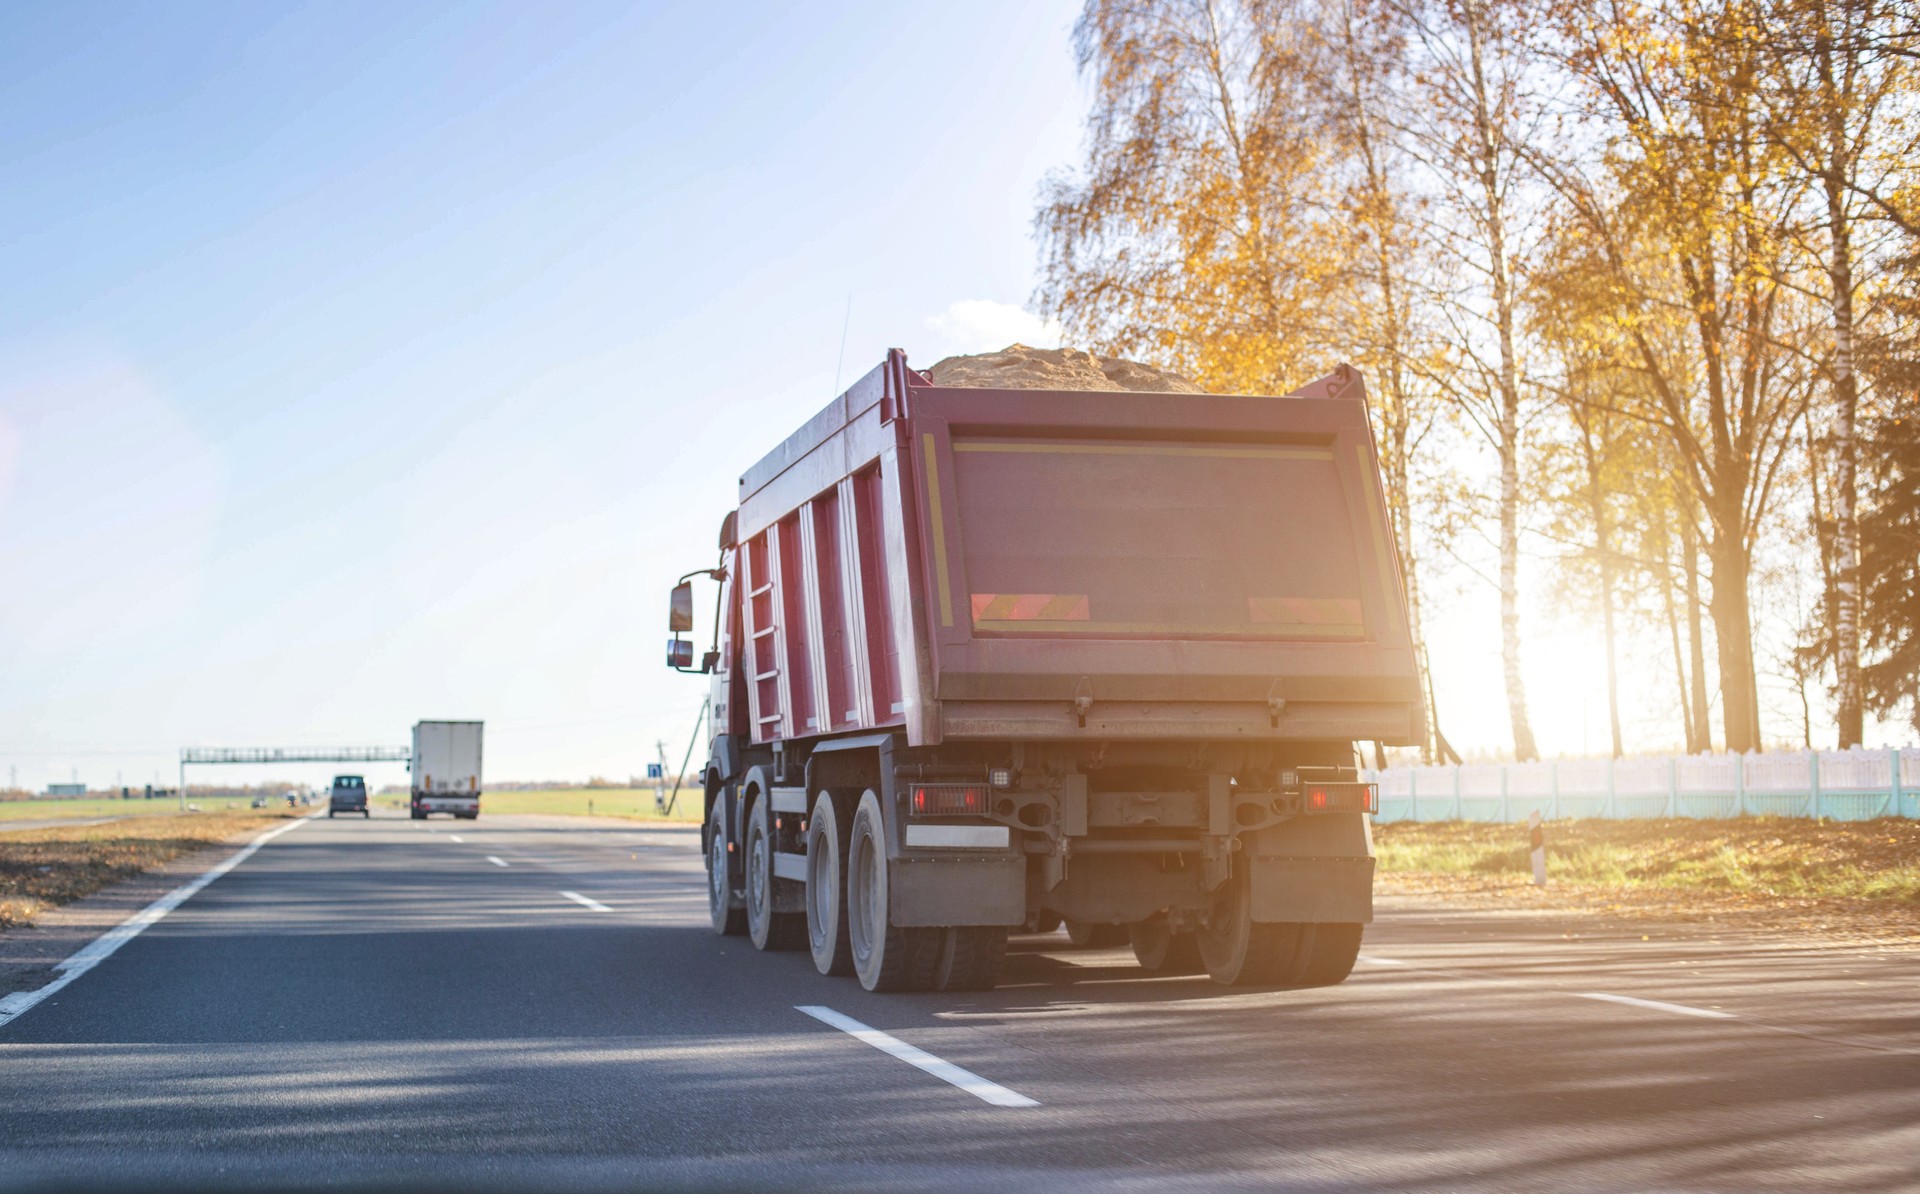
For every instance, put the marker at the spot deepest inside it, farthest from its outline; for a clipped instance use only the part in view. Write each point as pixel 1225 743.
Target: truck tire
pixel 1085 935
pixel 827 831
pixel 1160 950
pixel 1240 952
pixel 1331 953
pixel 766 928
pixel 723 907
pixel 886 957
pixel 970 957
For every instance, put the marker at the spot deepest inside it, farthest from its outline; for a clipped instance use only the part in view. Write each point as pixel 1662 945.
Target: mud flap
pixel 980 890
pixel 1312 868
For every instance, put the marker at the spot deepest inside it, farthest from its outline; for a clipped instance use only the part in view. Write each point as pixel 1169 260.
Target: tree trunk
pixel 1700 730
pixel 1846 447
pixel 1603 556
pixel 1694 745
pixel 1494 217
pixel 1733 640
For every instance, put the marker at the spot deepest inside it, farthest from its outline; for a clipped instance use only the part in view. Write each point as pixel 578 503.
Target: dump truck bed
pixel 1043 564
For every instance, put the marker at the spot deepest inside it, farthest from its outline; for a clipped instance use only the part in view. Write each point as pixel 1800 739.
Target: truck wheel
pixel 970 957
pixel 886 957
pixel 1331 951
pixel 827 935
pixel 1239 952
pixel 723 907
pixel 1084 935
pixel 766 928
pixel 1160 950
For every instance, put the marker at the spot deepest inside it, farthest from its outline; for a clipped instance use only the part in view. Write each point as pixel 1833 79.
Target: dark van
pixel 349 796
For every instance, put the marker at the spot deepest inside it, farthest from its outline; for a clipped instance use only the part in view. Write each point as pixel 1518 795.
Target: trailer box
pixel 446 769
pixel 1045 654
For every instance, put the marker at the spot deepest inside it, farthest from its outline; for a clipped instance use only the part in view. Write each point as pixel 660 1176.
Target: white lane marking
pixel 101 947
pixel 1679 1009
pixel 584 902
pixel 1376 960
pixel 1851 1042
pixel 496 860
pixel 946 1071
pixel 457 838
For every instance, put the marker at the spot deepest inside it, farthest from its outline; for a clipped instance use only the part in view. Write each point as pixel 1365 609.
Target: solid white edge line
pixel 496 860
pixel 584 902
pixel 1376 960
pixel 101 947
pixel 1679 1009
pixel 946 1071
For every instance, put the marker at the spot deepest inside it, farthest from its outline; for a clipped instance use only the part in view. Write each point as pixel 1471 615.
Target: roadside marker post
pixel 1537 845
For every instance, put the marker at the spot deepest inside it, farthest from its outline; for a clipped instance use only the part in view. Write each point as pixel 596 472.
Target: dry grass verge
pixel 1858 877
pixel 44 868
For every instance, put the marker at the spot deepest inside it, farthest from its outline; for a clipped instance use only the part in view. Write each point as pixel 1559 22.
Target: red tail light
pixel 1343 798
pixel 949 800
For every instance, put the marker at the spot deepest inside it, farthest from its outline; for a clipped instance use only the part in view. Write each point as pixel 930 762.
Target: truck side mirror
pixel 679 653
pixel 680 611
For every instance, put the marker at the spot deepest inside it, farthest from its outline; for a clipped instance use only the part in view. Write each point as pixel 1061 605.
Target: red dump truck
pixel 986 659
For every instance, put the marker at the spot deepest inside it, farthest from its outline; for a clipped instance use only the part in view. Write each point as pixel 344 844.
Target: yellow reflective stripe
pixel 1276 453
pixel 1089 629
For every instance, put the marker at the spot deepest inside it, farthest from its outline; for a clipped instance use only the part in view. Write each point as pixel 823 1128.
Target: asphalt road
pixel 388 1003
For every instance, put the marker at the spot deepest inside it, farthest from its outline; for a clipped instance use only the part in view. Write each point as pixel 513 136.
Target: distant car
pixel 349 796
pixel 259 802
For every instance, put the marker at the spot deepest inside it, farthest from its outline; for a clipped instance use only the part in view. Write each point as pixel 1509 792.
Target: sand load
pixel 1020 367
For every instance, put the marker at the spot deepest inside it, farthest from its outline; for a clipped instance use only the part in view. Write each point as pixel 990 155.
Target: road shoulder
pixel 29 954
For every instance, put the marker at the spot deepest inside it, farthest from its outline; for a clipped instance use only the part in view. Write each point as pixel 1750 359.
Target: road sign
pixel 656 771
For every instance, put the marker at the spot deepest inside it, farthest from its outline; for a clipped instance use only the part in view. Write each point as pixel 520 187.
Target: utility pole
pixel 660 777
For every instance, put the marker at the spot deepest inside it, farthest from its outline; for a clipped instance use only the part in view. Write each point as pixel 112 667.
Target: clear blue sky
pixel 363 363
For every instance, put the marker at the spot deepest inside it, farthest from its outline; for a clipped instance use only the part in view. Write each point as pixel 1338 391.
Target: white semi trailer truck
pixel 446 769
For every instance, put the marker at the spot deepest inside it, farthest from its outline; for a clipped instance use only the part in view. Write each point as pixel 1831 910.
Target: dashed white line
pixel 946 1071
pixel 454 837
pixel 584 902
pixel 496 860
pixel 102 946
pixel 1376 960
pixel 1678 1009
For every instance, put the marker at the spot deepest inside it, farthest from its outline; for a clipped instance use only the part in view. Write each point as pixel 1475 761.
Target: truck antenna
pixel 840 364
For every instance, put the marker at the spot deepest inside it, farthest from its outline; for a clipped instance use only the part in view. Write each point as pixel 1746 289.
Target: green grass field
pixel 1755 858
pixel 634 803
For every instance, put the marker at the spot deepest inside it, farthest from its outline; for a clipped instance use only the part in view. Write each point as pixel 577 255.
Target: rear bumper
pixel 446 804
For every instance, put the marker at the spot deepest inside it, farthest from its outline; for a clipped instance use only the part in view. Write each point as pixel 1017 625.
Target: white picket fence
pixel 1842 785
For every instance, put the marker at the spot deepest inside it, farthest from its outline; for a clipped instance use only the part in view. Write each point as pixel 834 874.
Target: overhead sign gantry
pixel 218 755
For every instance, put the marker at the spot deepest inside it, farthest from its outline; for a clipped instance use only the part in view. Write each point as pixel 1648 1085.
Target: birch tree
pixel 1837 82
pixel 1197 233
pixel 1466 123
